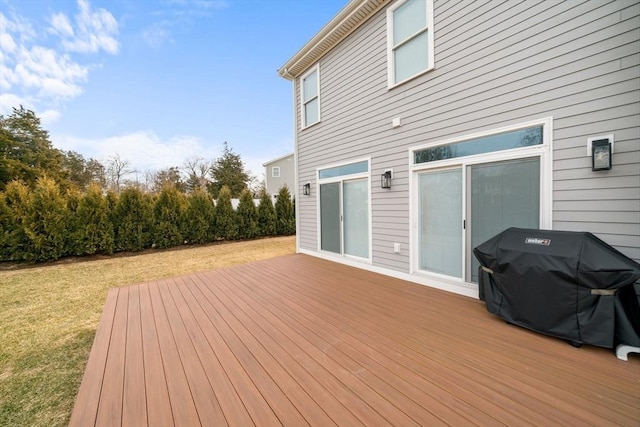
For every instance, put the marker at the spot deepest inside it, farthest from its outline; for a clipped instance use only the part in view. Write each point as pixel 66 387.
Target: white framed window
pixel 410 49
pixel 275 172
pixel 466 189
pixel 310 97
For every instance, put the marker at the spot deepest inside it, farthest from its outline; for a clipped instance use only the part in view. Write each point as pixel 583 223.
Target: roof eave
pixel 354 14
pixel 277 159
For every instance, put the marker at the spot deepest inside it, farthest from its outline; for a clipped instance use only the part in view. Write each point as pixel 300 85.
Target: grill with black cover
pixel 570 285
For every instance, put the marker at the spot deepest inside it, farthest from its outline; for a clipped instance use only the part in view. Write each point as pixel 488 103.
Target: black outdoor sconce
pixel 385 179
pixel 601 155
pixel 306 189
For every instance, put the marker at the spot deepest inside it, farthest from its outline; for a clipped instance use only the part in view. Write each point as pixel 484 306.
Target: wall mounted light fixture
pixel 601 155
pixel 306 189
pixel 385 179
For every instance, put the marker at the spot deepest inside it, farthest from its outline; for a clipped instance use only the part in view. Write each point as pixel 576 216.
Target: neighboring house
pixel 484 114
pixel 279 172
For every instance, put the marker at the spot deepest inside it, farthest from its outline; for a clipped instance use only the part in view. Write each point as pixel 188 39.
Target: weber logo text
pixel 537 241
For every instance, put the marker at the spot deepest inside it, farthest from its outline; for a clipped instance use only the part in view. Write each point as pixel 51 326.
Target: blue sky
pixel 158 82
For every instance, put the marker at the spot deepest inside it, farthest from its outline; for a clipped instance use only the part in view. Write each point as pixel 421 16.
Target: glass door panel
pixel 356 218
pixel 440 222
pixel 330 217
pixel 501 195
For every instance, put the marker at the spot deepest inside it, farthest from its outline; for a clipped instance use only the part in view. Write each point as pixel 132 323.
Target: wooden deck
pixel 301 341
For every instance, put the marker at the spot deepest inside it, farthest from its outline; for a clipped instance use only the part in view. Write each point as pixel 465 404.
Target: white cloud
pixel 156 35
pixel 54 76
pixel 6 43
pixel 61 25
pixel 96 30
pixel 177 16
pixel 9 100
pixel 144 150
pixel 50 116
pixel 35 74
pixel 18 26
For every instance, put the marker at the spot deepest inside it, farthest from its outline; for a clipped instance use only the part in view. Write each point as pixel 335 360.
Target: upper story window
pixel 275 172
pixel 310 97
pixel 409 40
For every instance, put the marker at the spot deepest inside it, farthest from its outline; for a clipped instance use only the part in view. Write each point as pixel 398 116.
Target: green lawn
pixel 49 315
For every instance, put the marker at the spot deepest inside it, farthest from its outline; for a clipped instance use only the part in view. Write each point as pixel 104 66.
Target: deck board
pixel 302 341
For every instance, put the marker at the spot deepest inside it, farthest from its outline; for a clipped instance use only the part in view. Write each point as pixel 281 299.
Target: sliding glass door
pixel 330 235
pixel 344 214
pixel 356 217
pixel 501 195
pixel 440 223
pixel 498 195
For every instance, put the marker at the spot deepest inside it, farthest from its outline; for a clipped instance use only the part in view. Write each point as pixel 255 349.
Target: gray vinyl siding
pixel 496 64
pixel 287 175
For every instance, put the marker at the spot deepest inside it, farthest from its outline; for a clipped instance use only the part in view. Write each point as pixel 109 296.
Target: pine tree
pixel 26 153
pixel 228 170
pixel 266 215
pixel 285 219
pixel 247 216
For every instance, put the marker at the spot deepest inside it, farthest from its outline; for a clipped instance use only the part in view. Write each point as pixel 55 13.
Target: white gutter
pixel 321 43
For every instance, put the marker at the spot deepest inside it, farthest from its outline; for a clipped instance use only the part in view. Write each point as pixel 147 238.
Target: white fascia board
pixel 277 159
pixel 329 35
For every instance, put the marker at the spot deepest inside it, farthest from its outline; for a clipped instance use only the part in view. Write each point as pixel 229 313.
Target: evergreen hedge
pixel 247 216
pixel 199 219
pixel 44 224
pixel 133 219
pixel 226 221
pixel 167 216
pixel 285 217
pixel 266 215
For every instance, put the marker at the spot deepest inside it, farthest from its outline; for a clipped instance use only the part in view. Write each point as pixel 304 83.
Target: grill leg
pixel 622 351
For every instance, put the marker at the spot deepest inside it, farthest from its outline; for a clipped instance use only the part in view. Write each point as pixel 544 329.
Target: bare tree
pixel 117 170
pixel 198 173
pixel 256 185
pixel 168 176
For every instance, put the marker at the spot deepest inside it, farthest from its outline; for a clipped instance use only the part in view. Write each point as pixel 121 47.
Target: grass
pixel 49 315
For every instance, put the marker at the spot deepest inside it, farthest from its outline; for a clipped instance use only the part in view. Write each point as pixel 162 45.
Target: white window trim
pixel 273 172
pixel 544 151
pixel 430 37
pixel 340 178
pixel 302 103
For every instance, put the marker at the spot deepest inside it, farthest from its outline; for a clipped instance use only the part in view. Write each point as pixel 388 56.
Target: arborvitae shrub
pixel 95 234
pixel 167 215
pixel 266 215
pixel 285 219
pixel 133 218
pixel 74 226
pixel 6 221
pixel 47 221
pixel 247 216
pixel 15 245
pixel 198 223
pixel 226 225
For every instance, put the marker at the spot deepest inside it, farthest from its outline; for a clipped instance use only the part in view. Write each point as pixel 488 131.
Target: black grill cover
pixel 570 285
